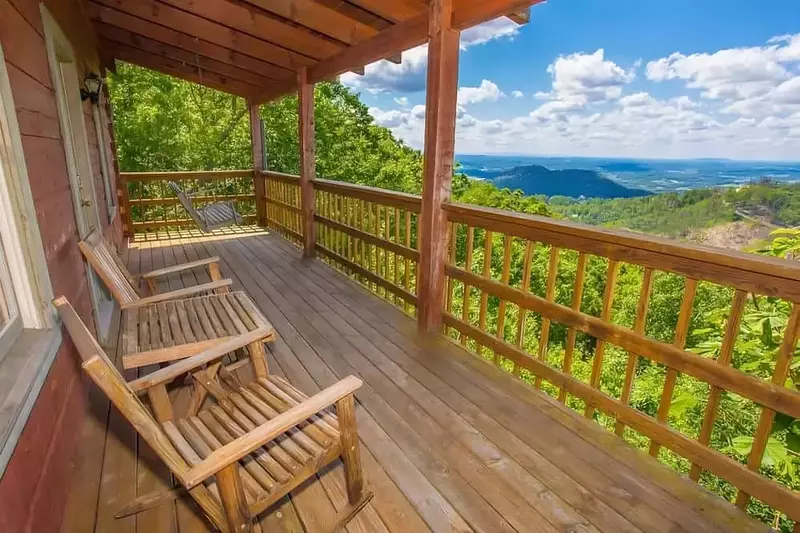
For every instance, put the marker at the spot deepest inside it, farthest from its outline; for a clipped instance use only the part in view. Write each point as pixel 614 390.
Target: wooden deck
pixel 449 443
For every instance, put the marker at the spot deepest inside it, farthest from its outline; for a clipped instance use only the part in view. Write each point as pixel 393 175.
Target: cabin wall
pixel 34 484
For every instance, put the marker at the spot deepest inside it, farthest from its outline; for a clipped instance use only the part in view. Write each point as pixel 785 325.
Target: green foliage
pixel 676 214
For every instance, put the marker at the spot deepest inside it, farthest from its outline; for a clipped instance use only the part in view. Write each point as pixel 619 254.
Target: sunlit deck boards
pixel 449 443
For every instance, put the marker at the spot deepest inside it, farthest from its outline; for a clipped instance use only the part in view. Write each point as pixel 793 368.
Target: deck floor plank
pixel 449 442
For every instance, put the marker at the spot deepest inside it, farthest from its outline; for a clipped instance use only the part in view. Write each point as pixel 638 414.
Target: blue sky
pixel 630 78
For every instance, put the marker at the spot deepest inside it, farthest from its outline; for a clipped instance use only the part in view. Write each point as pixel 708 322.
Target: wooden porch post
pixel 440 124
pixel 257 144
pixel 308 165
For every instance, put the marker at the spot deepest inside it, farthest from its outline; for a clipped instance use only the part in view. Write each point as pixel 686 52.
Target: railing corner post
pixel 307 160
pixel 440 124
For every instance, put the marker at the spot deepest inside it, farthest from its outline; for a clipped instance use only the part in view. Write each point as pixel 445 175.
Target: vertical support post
pixel 257 144
pixel 440 125
pixel 308 164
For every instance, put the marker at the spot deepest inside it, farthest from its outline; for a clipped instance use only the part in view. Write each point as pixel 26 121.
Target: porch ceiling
pixel 254 48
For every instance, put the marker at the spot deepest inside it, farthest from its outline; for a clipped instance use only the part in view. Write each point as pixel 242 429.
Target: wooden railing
pixel 511 320
pixel 371 235
pixel 283 212
pixel 148 204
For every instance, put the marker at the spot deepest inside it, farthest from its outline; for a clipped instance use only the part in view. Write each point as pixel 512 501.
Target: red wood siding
pixel 33 487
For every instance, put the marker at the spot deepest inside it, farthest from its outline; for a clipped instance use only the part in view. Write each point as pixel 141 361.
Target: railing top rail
pixel 411 202
pixel 186 174
pixel 280 175
pixel 755 273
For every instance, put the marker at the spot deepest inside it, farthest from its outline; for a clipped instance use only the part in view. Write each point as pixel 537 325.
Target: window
pixel 29 339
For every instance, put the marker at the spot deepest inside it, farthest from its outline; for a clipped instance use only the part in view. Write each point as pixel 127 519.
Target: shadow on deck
pixel 449 443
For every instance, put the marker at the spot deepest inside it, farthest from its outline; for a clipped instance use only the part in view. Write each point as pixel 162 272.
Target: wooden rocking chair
pixel 243 454
pixel 122 284
pixel 210 216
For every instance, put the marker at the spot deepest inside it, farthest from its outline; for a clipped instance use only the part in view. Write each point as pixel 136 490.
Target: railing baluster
pixel 501 309
pixel 724 358
pixel 550 291
pixel 450 283
pixel 681 331
pixel 487 273
pixel 467 288
pixel 638 326
pixel 397 241
pixel 605 316
pixel 572 333
pixel 779 375
pixel 407 272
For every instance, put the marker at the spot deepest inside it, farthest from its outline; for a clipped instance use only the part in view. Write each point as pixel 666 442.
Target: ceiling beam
pixel 179 70
pixel 319 18
pixel 413 32
pixel 207 30
pixel 259 25
pixel 124 37
pixel 521 17
pixel 468 13
pixel 118 19
pixel 356 13
pixel 394 10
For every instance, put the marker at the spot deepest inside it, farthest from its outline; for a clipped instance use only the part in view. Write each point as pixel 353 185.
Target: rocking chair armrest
pixel 178 294
pixel 180 268
pixel 258 437
pixel 169 373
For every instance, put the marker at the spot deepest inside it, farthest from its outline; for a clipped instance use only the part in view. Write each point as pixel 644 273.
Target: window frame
pixel 29 355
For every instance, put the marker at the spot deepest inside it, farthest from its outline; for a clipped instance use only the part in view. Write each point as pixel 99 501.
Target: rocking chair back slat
pixel 109 267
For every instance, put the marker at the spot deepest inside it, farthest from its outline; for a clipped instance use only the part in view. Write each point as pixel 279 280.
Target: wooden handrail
pixel 754 273
pixel 410 202
pixel 186 175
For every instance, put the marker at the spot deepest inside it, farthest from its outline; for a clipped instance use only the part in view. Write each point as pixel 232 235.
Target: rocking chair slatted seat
pixel 211 216
pixel 122 284
pixel 255 444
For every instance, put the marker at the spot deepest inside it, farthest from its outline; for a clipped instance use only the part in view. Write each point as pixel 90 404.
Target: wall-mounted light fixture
pixel 91 91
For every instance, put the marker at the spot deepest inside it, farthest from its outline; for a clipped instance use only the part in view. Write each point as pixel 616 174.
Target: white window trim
pixel 31 355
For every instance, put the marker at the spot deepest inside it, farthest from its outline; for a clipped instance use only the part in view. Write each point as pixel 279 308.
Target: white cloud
pixel 581 79
pixel 385 76
pixel 494 29
pixel 410 75
pixel 734 73
pixel 738 103
pixel 488 91
pixel 401 101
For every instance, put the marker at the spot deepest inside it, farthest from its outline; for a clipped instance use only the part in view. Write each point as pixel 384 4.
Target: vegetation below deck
pixel 164 124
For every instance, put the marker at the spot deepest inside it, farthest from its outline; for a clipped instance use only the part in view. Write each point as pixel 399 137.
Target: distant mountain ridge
pixel 536 179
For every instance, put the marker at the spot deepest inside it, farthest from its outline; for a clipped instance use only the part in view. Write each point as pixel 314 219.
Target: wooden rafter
pixel 179 69
pixel 356 13
pixel 396 10
pixel 521 17
pixel 257 24
pixel 112 17
pixel 317 17
pixel 413 32
pixel 124 37
pixel 210 31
